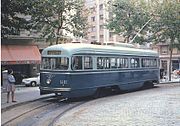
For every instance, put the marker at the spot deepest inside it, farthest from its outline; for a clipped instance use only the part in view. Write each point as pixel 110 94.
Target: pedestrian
pixel 10 87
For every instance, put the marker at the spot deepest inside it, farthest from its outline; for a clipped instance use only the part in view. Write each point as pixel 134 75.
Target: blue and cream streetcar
pixel 77 70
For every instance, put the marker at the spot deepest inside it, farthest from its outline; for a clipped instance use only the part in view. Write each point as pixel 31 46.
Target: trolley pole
pixel 141 29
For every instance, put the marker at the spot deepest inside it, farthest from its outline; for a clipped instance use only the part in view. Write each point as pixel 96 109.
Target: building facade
pixel 97 17
pixel 164 54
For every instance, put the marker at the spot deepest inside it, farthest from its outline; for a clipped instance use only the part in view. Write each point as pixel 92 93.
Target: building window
pixel 101 17
pixel 110 15
pixel 101 27
pixel 93 18
pixel 101 36
pixel 87 1
pixel 92 9
pixel 164 50
pixel 93 37
pixel 175 51
pixel 93 28
pixel 110 34
pixel 101 7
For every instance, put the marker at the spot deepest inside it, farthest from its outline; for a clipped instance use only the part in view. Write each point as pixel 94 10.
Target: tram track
pixel 23 103
pixel 64 112
pixel 20 112
pixel 42 111
pixel 4 124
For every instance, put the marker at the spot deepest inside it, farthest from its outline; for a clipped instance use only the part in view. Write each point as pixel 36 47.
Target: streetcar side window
pixel 103 63
pixel 45 63
pixel 149 62
pixel 134 62
pixel 113 63
pixel 100 63
pixel 76 63
pixel 88 62
pixel 122 62
pixel 55 63
pixel 107 63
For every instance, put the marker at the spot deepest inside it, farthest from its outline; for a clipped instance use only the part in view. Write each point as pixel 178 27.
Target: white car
pixel 33 81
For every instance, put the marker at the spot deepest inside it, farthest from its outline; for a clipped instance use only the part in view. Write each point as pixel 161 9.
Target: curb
pixel 169 82
pixel 3 90
pixel 22 103
pixel 20 86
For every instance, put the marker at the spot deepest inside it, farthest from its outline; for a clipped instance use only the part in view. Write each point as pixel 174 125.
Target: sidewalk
pixel 22 95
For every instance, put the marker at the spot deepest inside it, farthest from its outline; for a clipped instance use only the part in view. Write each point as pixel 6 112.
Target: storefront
pixel 164 64
pixel 23 59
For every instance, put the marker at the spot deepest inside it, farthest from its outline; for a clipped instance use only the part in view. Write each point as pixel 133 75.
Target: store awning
pixel 20 54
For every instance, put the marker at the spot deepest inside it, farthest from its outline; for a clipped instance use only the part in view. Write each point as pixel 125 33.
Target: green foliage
pixel 50 17
pixel 166 24
pixel 11 21
pixel 127 18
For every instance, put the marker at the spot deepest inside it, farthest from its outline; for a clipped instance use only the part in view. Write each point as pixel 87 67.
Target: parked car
pixel 33 81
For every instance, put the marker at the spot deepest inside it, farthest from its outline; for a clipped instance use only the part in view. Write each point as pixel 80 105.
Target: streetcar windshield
pixel 55 63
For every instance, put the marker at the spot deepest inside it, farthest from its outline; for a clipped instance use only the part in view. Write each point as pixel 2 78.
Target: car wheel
pixel 33 83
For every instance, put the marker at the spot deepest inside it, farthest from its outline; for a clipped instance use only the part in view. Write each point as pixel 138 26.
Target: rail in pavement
pixel 23 95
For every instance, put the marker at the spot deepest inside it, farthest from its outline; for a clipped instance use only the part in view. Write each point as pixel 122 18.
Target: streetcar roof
pixel 70 49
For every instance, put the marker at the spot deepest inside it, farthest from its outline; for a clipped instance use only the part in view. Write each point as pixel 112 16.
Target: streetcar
pixel 79 70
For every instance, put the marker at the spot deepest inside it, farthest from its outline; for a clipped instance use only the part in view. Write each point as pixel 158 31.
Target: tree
pixel 127 18
pixel 166 25
pixel 51 17
pixel 11 21
pixel 161 16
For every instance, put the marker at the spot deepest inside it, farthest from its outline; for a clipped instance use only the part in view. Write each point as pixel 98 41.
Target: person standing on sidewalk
pixel 10 87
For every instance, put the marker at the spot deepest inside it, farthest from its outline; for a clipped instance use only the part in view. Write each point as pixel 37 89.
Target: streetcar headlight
pixel 48 81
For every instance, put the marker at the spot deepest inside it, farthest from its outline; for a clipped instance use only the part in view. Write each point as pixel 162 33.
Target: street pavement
pixel 26 94
pixel 22 95
pixel 158 106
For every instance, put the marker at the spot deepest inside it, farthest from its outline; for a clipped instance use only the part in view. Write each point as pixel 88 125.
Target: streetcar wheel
pixel 115 89
pixel 98 93
pixel 148 85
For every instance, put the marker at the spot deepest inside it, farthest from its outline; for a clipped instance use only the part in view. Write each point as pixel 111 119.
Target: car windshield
pixel 55 63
